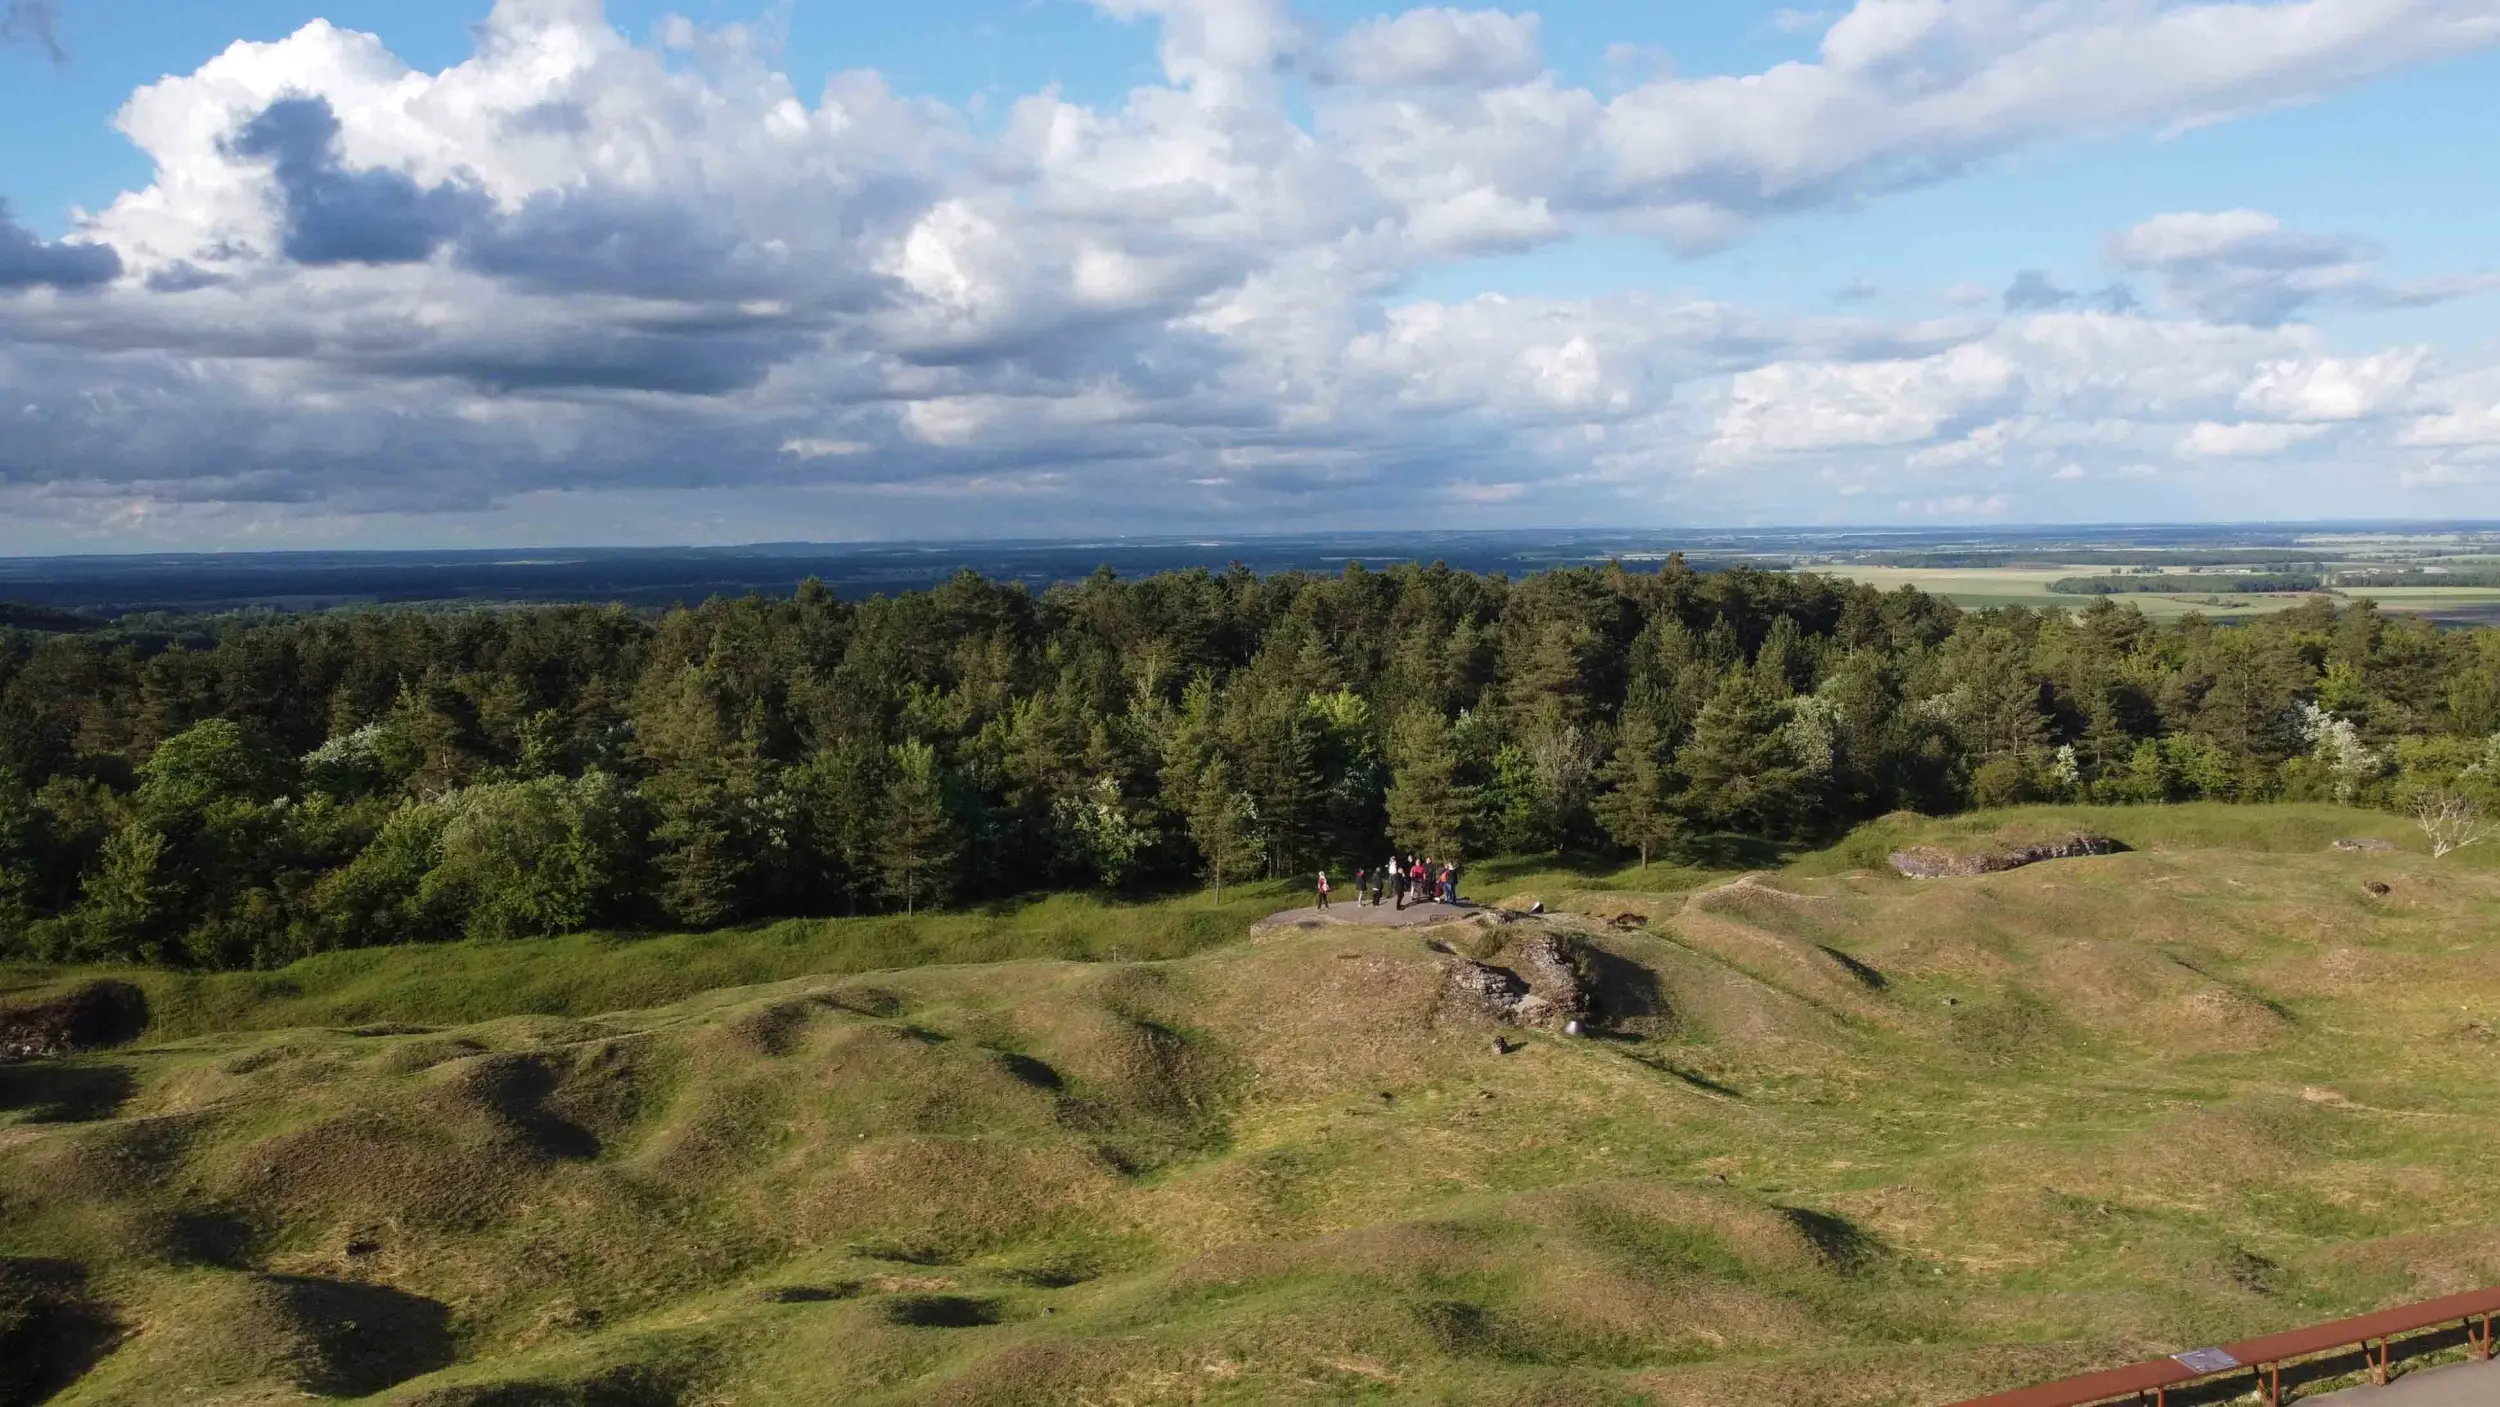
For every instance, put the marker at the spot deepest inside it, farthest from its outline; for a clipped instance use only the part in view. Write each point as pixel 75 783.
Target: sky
pixel 391 273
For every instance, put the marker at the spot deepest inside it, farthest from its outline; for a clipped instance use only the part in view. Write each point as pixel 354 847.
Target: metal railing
pixel 2278 1362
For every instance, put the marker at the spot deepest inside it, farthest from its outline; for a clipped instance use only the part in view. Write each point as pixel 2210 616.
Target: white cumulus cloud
pixel 1475 48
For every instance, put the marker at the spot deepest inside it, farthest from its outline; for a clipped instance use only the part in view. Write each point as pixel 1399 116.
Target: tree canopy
pixel 241 791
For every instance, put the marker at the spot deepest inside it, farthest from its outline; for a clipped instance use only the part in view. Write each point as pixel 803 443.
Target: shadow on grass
pixel 1866 976
pixel 1731 850
pixel 1694 1078
pixel 811 1294
pixel 1841 1244
pixel 1623 989
pixel 371 1336
pixel 51 1333
pixel 631 1386
pixel 197 1237
pixel 941 1311
pixel 59 1092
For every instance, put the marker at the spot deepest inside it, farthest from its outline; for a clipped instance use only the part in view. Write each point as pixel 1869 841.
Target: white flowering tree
pixel 1096 832
pixel 2337 744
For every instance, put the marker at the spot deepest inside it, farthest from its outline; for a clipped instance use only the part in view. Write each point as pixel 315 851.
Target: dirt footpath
pixel 1383 915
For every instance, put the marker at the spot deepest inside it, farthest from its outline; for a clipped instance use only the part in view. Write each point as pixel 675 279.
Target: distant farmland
pixel 1981 587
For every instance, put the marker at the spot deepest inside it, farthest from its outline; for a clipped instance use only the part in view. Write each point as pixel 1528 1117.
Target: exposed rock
pixel 1627 921
pixel 2369 843
pixel 1930 862
pixel 1543 986
pixel 1551 963
pixel 90 1016
pixel 1498 988
pixel 2378 887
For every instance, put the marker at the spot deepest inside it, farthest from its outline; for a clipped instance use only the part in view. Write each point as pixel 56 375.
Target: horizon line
pixel 1213 539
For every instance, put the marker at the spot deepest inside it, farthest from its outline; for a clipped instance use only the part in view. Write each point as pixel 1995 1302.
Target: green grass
pixel 2204 825
pixel 2037 1122
pixel 587 973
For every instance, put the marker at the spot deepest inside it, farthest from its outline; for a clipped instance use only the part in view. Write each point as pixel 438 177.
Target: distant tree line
pixel 2482 576
pixel 266 788
pixel 2170 583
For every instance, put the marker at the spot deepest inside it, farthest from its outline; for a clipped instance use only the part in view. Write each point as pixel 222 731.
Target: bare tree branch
pixel 2451 821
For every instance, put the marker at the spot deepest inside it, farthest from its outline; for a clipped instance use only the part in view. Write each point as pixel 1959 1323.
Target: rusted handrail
pixel 2265 1356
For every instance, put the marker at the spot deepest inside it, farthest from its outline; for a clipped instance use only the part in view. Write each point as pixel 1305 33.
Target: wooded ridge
pixel 248 790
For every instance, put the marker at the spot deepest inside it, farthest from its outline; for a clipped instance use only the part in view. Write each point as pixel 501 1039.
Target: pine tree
pixel 20 831
pixel 921 843
pixel 1276 741
pixel 127 896
pixel 1738 765
pixel 1636 808
pixel 841 798
pixel 1429 805
pixel 2001 717
pixel 1660 655
pixel 701 860
pixel 1223 824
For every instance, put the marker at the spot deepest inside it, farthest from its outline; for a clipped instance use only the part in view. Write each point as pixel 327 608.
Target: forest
pixel 242 791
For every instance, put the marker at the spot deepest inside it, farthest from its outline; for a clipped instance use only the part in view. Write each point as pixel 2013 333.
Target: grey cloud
pixel 570 240
pixel 551 117
pixel 2243 266
pixel 36 22
pixel 685 274
pixel 334 215
pixel 593 240
pixel 590 241
pixel 26 261
pixel 182 276
pixel 2033 290
pixel 603 359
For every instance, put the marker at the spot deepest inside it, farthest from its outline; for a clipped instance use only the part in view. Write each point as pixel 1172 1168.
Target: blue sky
pixel 386 273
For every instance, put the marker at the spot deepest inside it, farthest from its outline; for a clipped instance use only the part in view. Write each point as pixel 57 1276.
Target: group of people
pixel 1407 878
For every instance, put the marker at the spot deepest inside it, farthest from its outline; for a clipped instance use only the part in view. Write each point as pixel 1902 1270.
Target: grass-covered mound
pixel 1847 1138
pixel 584 974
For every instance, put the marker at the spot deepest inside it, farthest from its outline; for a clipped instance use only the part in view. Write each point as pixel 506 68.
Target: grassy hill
pixel 1847 1138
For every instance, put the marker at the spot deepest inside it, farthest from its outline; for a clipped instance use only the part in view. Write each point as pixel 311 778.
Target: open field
pixel 1847 1139
pixel 1979 588
pixel 2477 604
